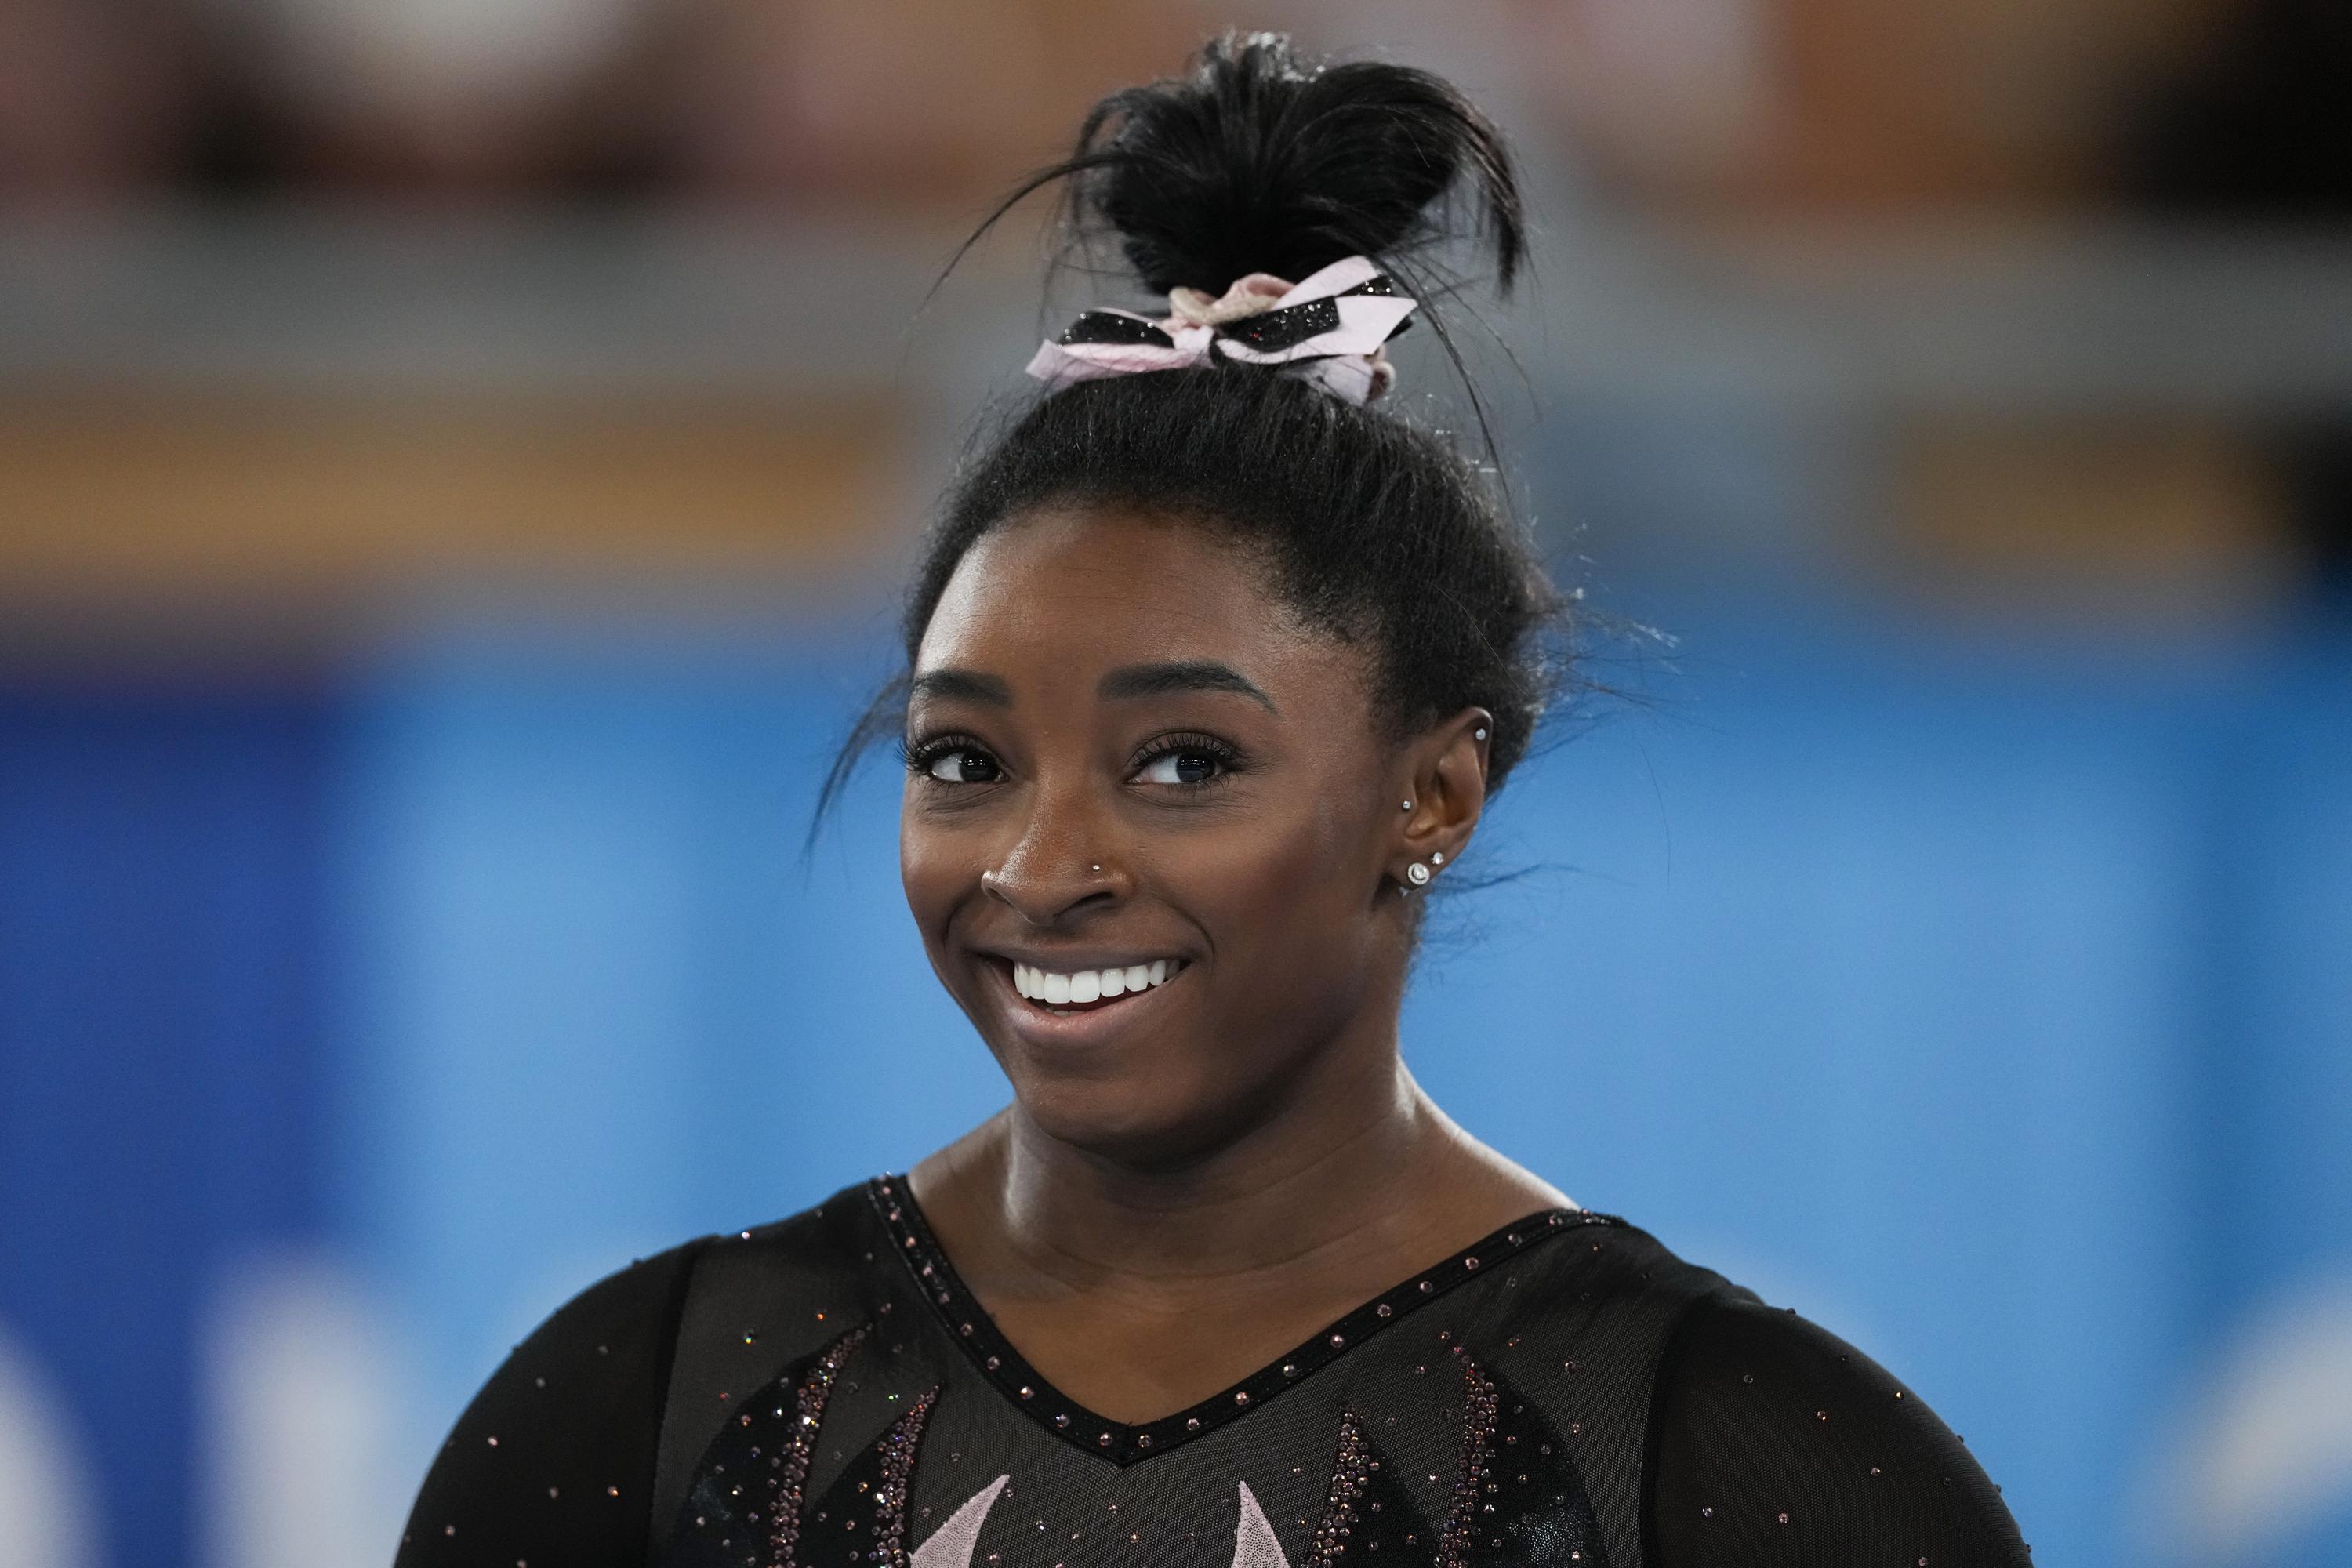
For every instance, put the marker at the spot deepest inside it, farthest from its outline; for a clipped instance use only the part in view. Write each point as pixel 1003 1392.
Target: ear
pixel 1443 775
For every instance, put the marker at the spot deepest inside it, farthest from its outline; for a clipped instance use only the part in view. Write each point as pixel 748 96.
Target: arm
pixel 552 1464
pixel 1774 1442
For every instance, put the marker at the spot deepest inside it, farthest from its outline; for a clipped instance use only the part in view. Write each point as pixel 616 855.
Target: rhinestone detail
pixel 793 1464
pixel 1478 1408
pixel 1350 1471
pixel 967 1322
pixel 890 1497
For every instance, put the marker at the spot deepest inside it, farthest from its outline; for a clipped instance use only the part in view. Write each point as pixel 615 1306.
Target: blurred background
pixel 456 461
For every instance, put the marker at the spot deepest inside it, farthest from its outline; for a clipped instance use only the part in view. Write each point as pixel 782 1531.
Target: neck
pixel 1361 1165
pixel 1270 1194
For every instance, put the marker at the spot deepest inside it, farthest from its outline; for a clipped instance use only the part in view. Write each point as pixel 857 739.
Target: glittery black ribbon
pixel 1270 331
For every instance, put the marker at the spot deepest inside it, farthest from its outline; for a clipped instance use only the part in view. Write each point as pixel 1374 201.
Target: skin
pixel 1191 1181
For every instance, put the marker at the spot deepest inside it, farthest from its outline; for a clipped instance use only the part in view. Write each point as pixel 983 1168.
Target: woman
pixel 1213 664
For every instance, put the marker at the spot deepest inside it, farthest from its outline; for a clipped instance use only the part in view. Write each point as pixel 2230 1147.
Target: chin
pixel 1143 1124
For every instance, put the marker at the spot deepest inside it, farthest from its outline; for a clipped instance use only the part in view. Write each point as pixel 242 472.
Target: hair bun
pixel 1255 161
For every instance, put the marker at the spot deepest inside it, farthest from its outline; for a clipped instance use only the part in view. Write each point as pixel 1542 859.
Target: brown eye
pixel 1182 766
pixel 962 765
pixel 1186 762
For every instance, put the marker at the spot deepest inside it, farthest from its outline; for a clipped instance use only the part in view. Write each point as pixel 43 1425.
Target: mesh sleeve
pixel 1774 1442
pixel 552 1465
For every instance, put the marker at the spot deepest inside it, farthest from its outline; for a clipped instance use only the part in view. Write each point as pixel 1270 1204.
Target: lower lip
pixel 1041 1023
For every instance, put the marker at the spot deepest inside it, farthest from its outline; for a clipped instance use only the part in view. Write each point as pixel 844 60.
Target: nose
pixel 1056 869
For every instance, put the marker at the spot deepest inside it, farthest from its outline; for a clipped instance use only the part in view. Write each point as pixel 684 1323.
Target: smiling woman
pixel 1177 773
pixel 1212 665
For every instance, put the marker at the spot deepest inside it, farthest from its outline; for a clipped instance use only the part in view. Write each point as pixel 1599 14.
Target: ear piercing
pixel 1480 733
pixel 1418 874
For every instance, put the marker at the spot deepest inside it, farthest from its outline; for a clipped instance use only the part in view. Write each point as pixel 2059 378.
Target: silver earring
pixel 1480 734
pixel 1098 867
pixel 1417 874
pixel 1437 856
pixel 1408 806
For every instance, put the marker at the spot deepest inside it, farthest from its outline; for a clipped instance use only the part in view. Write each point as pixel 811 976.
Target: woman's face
pixel 1150 831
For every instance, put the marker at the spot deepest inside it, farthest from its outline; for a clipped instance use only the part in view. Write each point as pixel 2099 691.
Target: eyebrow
pixel 1189 675
pixel 966 685
pixel 1128 681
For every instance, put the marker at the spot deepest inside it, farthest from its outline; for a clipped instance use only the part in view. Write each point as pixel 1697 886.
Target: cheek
pixel 934 867
pixel 1298 886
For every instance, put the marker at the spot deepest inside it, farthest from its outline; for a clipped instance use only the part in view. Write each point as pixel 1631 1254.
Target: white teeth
pixel 1090 985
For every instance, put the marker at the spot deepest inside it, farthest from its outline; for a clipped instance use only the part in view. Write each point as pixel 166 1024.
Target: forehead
pixel 1092 586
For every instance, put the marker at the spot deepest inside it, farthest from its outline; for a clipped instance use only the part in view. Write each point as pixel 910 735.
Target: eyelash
pixel 1227 758
pixel 920 757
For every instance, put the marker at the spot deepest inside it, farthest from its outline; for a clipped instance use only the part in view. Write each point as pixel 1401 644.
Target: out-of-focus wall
pixel 454 465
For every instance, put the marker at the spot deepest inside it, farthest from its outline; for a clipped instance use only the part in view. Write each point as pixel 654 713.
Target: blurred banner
pixel 455 465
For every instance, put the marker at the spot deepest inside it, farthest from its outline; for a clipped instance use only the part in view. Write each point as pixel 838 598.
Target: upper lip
pixel 1072 960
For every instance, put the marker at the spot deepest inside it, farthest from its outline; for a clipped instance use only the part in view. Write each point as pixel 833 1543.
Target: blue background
pixel 1991 1003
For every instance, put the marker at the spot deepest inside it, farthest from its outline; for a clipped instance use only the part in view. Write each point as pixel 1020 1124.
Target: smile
pixel 1091 988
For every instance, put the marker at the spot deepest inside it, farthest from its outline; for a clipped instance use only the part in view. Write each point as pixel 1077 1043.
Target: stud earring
pixel 1408 806
pixel 1479 734
pixel 1417 874
pixel 1437 856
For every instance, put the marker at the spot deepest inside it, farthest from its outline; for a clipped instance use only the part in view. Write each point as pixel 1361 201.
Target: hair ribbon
pixel 1329 329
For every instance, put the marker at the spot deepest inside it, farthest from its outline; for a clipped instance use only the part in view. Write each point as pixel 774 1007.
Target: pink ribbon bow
pixel 1341 349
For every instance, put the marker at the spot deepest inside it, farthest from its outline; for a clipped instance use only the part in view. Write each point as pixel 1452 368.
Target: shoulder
pixel 1758 1438
pixel 635 1311
pixel 1771 1438
pixel 625 1312
pixel 1614 1288
pixel 629 1320
pixel 1580 1322
pixel 555 1457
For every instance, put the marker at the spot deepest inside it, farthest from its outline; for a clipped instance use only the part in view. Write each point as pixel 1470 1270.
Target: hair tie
pixel 1330 328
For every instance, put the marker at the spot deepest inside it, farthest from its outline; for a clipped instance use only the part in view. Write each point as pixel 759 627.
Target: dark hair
pixel 1373 527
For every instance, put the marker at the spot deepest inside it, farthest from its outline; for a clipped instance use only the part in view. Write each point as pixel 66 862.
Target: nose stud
pixel 1098 867
pixel 1408 806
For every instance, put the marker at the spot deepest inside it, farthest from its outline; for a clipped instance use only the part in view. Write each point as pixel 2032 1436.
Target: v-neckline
pixel 1123 1443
